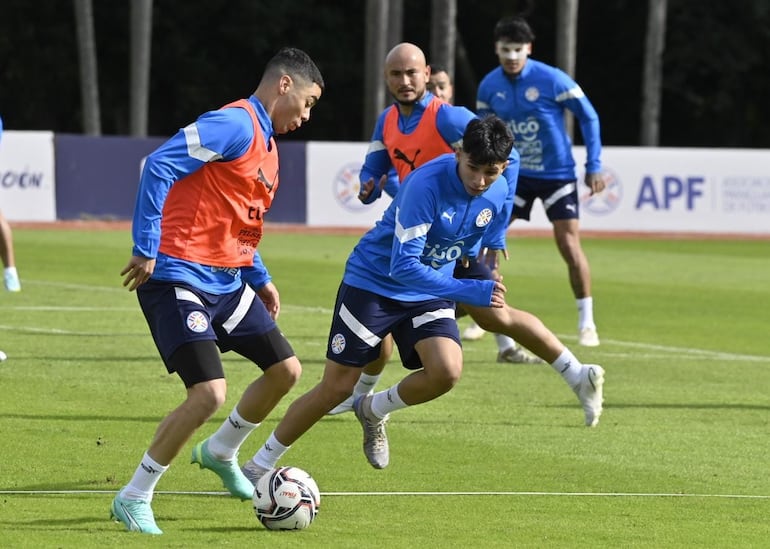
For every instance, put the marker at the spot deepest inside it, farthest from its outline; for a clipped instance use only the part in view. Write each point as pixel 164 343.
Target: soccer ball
pixel 286 498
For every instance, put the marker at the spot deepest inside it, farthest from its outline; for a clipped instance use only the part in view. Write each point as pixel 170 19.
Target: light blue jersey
pixel 410 254
pixel 533 105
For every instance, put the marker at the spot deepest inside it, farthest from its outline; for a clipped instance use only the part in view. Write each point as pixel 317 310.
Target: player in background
pixel 200 280
pixel 400 280
pixel 10 275
pixel 440 83
pixel 532 98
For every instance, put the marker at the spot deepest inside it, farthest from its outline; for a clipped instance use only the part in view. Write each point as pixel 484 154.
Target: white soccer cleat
pixel 473 332
pixel 344 406
pixel 587 337
pixel 590 392
pixel 517 355
pixel 376 448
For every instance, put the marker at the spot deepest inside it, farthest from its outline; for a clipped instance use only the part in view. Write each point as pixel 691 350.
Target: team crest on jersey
pixel 197 322
pixel 532 94
pixel 484 217
pixel 338 343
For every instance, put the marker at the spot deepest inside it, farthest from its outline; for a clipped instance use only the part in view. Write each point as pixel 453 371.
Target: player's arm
pixel 451 122
pixel 218 135
pixel 590 129
pixel 377 165
pixel 413 221
pixel 260 280
pixel 482 100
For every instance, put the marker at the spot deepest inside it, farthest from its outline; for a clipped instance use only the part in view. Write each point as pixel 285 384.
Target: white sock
pixel 387 401
pixel 145 479
pixel 569 367
pixel 225 442
pixel 504 342
pixel 11 271
pixel 585 307
pixel 365 384
pixel 270 453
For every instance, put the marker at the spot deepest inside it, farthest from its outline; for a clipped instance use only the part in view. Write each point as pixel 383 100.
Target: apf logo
pixel 346 188
pixel 606 201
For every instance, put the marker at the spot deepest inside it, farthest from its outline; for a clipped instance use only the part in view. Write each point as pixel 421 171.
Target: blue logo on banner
pixel 21 180
pixel 670 191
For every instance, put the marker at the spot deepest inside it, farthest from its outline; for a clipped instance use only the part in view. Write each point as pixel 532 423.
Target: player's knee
pixel 207 397
pixel 285 374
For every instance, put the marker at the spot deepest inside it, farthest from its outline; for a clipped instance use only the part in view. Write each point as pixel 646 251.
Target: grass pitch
pixel 679 458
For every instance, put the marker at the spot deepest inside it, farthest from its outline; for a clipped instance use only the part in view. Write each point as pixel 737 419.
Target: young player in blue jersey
pixel 532 98
pixel 399 280
pixel 415 129
pixel 404 135
pixel 200 281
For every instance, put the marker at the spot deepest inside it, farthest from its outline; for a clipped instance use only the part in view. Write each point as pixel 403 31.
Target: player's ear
pixel 285 84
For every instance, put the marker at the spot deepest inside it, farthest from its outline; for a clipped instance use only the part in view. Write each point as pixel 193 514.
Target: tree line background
pixel 715 73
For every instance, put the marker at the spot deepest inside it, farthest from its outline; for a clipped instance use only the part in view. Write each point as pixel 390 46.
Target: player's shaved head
pixel 405 53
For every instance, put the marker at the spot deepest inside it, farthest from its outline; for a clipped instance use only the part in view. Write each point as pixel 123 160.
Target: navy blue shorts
pixel 178 314
pixel 559 197
pixel 361 319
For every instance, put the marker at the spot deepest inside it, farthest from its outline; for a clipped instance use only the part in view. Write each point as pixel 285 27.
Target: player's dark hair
pixel 436 68
pixel 297 64
pixel 487 140
pixel 514 29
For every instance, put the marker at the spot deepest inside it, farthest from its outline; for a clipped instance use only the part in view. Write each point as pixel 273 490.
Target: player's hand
pixel 269 296
pixel 491 260
pixel 596 182
pixel 498 296
pixel 368 187
pixel 137 272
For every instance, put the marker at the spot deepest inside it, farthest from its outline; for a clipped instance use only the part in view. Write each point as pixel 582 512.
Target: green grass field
pixel 680 458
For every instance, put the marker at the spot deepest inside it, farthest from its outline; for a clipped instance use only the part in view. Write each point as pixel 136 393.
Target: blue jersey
pixel 411 252
pixel 533 105
pixel 451 122
pixel 219 135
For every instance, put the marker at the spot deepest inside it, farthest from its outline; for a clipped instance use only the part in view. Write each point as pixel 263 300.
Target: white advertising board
pixel 718 191
pixel 27 181
pixel 332 187
pixel 680 190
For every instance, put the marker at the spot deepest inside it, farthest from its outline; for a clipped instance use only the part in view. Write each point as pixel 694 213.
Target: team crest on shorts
pixel 338 343
pixel 197 322
pixel 484 217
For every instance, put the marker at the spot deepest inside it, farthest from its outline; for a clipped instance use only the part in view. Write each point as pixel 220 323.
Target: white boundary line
pixel 356 494
pixel 684 352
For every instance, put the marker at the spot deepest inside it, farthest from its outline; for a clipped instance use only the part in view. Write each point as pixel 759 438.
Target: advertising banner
pixel 332 187
pixel 680 190
pixel 27 184
pixel 715 191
